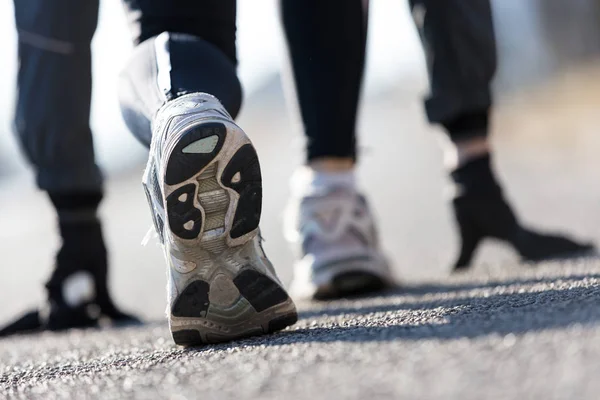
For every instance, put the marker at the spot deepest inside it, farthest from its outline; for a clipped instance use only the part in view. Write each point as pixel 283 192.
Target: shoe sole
pixel 213 197
pixel 353 276
pixel 350 284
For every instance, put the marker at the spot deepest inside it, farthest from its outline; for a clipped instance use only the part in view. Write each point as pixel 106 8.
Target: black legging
pixel 183 46
pixel 327 40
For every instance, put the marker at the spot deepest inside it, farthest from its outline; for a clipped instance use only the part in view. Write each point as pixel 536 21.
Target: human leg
pixel 328 220
pixel 203 183
pixel 460 46
pixel 52 123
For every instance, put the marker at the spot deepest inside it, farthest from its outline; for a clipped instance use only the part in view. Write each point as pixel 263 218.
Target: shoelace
pixel 151 234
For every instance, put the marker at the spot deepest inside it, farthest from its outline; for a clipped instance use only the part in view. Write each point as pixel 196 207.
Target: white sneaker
pixel 334 234
pixel 204 188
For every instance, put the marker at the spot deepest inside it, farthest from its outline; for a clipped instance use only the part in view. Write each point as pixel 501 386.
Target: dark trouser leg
pixel 53 105
pixel 52 122
pixel 326 42
pixel 54 80
pixel 52 115
pixel 183 46
pixel 460 47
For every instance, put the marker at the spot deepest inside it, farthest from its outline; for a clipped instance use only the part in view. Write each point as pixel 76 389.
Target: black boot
pixel 482 211
pixel 78 295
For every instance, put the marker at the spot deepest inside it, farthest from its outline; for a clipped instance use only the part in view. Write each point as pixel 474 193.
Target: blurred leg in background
pixel 327 219
pixel 52 123
pixel 460 48
pixel 179 95
pixel 327 50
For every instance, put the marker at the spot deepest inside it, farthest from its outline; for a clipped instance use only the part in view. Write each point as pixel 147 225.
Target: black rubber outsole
pixel 244 164
pixel 242 174
pixel 182 165
pixel 192 338
pixel 351 284
pixel 259 290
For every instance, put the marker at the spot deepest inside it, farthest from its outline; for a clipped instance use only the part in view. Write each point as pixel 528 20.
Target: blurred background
pixel 545 133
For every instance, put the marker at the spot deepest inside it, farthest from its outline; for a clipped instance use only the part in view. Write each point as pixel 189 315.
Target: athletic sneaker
pixel 204 187
pixel 333 231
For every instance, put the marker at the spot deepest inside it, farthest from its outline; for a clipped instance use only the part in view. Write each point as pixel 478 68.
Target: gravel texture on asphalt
pixel 508 333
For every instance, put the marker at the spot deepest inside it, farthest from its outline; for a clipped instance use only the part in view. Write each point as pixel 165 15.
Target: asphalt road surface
pixel 512 334
pixel 502 331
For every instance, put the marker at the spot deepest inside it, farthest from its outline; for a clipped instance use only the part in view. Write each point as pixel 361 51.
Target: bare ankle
pixel 332 164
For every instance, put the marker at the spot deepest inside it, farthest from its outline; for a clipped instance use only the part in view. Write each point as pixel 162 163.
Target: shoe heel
pixel 226 309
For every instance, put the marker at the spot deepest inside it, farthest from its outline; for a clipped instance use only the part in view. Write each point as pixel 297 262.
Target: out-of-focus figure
pixel 52 123
pixel 329 219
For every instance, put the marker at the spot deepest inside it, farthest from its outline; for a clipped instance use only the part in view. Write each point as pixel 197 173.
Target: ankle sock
pixel 306 180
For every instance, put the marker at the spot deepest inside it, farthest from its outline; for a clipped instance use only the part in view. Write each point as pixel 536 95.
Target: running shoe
pixel 333 233
pixel 204 188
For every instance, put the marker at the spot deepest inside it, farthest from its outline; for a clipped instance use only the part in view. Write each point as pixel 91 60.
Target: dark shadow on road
pixel 404 296
pixel 462 317
pixel 426 288
pixel 435 311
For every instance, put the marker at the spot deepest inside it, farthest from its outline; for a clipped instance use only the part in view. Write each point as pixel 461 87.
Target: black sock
pixel 476 177
pixel 76 207
pixel 83 248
